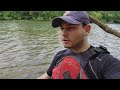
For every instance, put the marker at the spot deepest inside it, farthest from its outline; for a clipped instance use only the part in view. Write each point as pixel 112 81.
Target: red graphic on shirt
pixel 68 68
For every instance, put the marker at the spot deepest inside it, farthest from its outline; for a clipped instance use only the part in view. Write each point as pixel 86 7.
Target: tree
pixel 105 27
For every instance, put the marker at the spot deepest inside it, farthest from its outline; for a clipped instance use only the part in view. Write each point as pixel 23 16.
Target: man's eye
pixel 61 28
pixel 70 28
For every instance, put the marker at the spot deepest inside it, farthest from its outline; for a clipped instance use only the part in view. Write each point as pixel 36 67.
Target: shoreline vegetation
pixel 104 16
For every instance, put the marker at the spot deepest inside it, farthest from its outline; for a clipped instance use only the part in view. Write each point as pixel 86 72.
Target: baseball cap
pixel 72 17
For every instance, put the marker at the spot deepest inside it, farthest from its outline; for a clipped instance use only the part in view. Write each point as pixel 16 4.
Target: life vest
pixel 69 67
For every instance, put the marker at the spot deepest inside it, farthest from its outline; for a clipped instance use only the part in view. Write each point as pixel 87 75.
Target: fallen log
pixel 105 27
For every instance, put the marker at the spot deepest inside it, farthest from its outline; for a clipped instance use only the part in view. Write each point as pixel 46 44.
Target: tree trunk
pixel 105 27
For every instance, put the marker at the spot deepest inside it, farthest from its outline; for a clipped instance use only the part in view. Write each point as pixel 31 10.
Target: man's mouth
pixel 65 41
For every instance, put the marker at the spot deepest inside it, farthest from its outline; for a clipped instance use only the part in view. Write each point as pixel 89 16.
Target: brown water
pixel 28 47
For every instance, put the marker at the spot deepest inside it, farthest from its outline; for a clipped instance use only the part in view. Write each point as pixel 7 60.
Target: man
pixel 80 60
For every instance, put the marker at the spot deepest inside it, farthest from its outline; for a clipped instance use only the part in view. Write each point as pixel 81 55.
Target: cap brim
pixel 57 21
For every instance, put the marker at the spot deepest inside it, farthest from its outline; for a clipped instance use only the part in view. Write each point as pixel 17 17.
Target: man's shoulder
pixel 108 58
pixel 104 55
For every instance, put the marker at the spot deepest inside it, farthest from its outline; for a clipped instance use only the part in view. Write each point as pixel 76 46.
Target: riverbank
pixel 49 21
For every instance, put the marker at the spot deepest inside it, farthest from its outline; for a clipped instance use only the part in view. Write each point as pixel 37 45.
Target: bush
pixel 105 16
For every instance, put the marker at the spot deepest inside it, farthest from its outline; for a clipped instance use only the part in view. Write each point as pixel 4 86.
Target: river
pixel 28 47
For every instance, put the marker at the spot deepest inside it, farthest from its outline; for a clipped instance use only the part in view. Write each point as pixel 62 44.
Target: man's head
pixel 74 28
pixel 73 17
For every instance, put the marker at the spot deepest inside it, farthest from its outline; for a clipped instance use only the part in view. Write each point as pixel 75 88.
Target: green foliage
pixel 7 15
pixel 105 16
pixel 29 15
pixel 97 15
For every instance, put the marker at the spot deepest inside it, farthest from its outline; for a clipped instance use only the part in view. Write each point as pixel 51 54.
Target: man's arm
pixel 44 76
pixel 111 68
pixel 48 74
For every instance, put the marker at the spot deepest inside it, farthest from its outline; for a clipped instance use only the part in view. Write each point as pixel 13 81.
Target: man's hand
pixel 44 76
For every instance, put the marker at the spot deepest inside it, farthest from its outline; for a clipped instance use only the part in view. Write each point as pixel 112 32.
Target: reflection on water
pixel 28 47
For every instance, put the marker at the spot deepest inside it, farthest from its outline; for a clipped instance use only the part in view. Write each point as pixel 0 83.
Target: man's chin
pixel 67 47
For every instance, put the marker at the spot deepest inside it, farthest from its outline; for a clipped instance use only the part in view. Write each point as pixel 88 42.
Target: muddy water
pixel 28 47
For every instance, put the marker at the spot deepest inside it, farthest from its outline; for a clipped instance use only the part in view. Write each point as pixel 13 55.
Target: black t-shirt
pixel 110 66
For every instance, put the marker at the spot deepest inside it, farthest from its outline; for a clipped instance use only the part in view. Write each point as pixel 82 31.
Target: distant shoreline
pixel 51 21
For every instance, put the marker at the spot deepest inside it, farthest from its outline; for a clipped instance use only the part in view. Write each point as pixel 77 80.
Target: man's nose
pixel 64 33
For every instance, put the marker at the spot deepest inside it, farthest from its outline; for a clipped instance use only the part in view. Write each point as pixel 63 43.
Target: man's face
pixel 72 35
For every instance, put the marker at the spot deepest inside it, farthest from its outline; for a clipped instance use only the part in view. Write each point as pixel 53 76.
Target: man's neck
pixel 81 49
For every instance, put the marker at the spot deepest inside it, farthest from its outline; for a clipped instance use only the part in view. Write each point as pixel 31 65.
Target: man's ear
pixel 87 29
